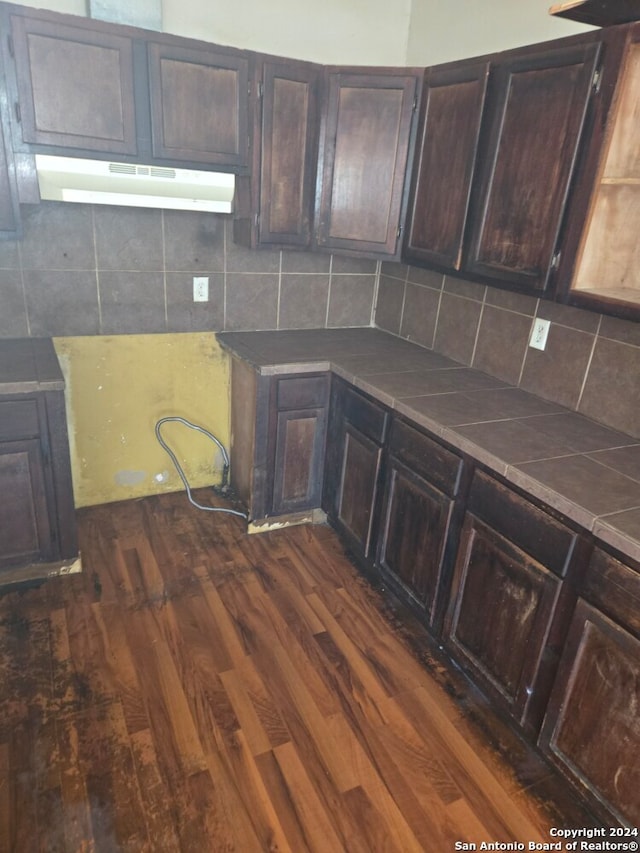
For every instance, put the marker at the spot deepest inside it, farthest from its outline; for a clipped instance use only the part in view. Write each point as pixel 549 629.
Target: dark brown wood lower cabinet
pixel 37 513
pixel 592 727
pixel 300 429
pixel 509 607
pixel 25 529
pixel 357 431
pixel 421 483
pixel 278 429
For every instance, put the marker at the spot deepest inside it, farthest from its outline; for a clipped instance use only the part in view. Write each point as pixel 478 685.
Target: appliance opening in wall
pixel 103 182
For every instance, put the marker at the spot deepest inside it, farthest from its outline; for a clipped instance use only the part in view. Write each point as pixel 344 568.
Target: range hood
pixel 103 182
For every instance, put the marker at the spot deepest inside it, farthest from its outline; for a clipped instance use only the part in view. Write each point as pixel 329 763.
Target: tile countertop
pixel 585 470
pixel 28 365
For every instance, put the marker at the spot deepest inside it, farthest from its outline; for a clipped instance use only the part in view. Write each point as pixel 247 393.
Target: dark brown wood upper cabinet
pixel 290 106
pixel 75 86
pixel 199 104
pixel 445 162
pixel 363 159
pixel 537 105
pixel 599 264
pixel 9 208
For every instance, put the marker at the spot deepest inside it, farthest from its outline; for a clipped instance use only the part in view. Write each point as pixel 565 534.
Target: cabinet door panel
pixel 298 460
pixel 539 105
pixel 25 533
pixel 358 487
pixel 75 86
pixel 452 108
pixel 414 531
pixel 592 729
pixel 9 209
pixel 502 606
pixel 289 153
pixel 199 105
pixel 365 148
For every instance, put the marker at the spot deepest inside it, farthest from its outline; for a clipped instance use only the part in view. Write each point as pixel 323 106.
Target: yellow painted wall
pixel 117 387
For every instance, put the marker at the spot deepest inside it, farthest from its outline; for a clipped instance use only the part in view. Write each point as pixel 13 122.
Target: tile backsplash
pixel 591 363
pixel 91 270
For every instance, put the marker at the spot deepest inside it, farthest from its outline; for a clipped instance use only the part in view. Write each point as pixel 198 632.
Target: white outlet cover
pixel 539 333
pixel 201 288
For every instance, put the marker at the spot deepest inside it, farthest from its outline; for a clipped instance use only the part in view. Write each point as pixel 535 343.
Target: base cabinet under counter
pixel 419 519
pixel 278 430
pixel 591 731
pixel 512 597
pixel 37 514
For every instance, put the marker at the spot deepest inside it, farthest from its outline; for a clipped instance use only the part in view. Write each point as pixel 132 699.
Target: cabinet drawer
pixel 548 541
pixel 366 416
pixel 303 392
pixel 19 419
pixel 614 588
pixel 426 457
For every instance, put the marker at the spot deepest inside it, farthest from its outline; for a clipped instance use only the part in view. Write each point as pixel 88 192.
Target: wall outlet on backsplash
pixel 200 288
pixel 539 333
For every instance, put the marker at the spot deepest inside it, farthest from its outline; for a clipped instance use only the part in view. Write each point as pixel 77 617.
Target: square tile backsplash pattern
pixel 591 363
pixel 90 270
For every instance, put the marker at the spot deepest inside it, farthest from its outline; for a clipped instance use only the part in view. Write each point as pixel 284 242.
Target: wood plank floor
pixel 199 689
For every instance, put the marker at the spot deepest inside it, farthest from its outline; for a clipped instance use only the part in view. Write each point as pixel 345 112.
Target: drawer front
pixel 19 419
pixel 426 457
pixel 540 535
pixel 367 417
pixel 303 392
pixel 615 589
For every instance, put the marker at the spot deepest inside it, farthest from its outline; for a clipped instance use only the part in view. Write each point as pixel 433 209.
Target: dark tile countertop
pixel 28 365
pixel 586 471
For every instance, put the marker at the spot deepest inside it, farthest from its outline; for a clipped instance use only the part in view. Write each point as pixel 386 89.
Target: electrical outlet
pixel 201 288
pixel 539 333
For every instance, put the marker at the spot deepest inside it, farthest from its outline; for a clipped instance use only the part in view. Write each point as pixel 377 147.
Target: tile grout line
pixel 23 287
pixel 279 289
pixel 588 367
pixel 95 258
pixel 326 316
pixel 164 270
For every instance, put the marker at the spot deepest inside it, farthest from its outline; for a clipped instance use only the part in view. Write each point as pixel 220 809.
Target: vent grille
pixel 146 171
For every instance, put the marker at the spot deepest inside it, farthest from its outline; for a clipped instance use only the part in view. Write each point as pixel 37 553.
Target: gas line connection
pixel 174 459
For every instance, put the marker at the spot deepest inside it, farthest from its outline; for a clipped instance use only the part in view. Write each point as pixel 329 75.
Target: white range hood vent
pixel 102 182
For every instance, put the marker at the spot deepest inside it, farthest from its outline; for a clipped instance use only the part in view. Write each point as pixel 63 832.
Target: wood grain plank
pixel 158 806
pixel 5 793
pixel 481 788
pixel 197 688
pixel 253 805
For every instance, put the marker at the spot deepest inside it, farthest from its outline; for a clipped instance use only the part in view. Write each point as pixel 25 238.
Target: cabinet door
pixel 356 434
pixel 602 254
pixel 415 521
pixel 592 728
pixel 538 106
pixel 363 160
pixel 25 531
pixel 298 460
pixel 421 482
pixel 9 208
pixel 445 161
pixel 509 610
pixel 300 407
pixel 289 153
pixel 75 86
pixel 503 604
pixel 199 105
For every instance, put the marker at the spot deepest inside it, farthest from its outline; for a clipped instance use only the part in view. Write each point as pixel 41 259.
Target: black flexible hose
pixel 174 459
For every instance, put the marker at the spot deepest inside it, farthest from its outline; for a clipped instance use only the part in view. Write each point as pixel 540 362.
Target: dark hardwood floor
pixel 199 689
